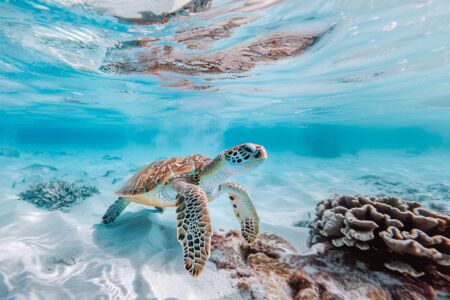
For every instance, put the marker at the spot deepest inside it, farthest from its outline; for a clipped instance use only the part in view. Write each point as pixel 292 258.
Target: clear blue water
pixel 370 98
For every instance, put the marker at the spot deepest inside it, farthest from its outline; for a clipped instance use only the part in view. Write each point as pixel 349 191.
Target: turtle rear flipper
pixel 115 210
pixel 193 226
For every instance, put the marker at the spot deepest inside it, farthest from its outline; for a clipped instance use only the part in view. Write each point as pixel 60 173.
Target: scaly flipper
pixel 243 209
pixel 115 210
pixel 193 226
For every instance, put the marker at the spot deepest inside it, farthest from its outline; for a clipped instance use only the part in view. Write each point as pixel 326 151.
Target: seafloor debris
pixel 107 173
pixel 109 157
pixel 9 152
pixel 272 269
pixel 57 194
pixel 402 235
pixel 437 195
pixel 116 180
pixel 36 173
pixel 239 59
pixel 38 168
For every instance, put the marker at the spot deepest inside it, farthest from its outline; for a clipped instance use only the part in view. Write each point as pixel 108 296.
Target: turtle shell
pixel 156 173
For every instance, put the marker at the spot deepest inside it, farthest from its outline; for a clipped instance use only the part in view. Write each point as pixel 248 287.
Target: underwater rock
pixel 9 152
pixel 107 173
pixel 57 194
pixel 402 235
pixel 271 268
pixel 109 157
pixel 116 180
pixel 62 153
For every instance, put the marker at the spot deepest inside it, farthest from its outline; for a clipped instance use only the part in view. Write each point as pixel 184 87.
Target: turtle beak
pixel 261 154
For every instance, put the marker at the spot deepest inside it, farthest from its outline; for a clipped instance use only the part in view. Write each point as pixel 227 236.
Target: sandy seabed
pixel 70 255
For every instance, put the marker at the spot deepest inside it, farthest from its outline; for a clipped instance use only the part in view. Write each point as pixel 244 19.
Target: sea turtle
pixel 188 183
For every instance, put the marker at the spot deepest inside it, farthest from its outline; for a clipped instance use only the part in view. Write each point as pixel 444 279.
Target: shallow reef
pixel 401 235
pixel 272 268
pixel 57 194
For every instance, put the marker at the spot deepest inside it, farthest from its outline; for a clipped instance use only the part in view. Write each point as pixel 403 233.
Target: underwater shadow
pixel 136 236
pixel 140 237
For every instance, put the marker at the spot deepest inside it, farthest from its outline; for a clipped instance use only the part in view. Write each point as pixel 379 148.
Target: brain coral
pixel 400 229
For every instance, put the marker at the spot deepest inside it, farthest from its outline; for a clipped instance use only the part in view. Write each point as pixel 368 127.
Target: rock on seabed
pixel 272 268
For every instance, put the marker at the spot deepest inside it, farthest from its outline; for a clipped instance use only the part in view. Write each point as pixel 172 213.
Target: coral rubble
pixel 57 194
pixel 272 269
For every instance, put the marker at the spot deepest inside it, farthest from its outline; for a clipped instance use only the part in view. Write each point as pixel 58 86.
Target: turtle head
pixel 244 156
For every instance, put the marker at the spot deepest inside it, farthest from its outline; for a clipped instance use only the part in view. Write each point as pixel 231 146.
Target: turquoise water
pixel 364 109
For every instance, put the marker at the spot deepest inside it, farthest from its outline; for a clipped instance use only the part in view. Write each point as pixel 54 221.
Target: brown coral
pixel 388 226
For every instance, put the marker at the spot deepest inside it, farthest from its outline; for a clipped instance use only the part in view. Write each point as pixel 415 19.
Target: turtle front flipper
pixel 243 209
pixel 193 226
pixel 115 210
